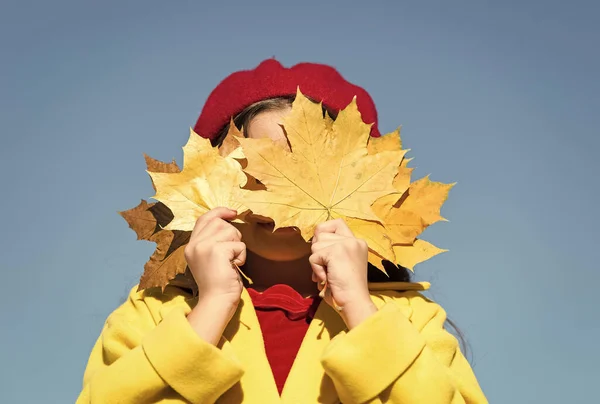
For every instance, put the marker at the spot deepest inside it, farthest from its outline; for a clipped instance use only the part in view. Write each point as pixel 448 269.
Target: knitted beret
pixel 270 79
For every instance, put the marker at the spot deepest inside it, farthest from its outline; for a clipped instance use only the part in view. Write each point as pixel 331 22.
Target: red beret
pixel 270 79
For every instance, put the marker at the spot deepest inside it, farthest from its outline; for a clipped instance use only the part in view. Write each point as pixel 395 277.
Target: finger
pixel 327 237
pixel 325 294
pixel 221 213
pixel 318 263
pixel 228 233
pixel 320 284
pixel 236 252
pixel 217 213
pixel 330 299
pixel 218 230
pixel 337 226
pixel 321 245
pixel 315 279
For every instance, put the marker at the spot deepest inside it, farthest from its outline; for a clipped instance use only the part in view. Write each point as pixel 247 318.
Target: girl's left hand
pixel 339 260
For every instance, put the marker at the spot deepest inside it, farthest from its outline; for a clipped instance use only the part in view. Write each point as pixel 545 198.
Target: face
pixel 285 244
pixel 268 124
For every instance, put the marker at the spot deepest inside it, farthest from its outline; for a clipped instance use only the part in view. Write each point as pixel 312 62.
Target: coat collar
pixel 307 381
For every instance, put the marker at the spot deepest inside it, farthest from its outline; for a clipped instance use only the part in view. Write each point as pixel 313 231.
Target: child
pixel 278 341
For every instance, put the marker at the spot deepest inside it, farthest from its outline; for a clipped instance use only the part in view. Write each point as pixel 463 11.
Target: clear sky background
pixel 502 98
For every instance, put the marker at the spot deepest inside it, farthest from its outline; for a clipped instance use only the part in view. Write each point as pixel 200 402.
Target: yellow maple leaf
pixel 406 217
pixel 208 180
pixel 393 142
pixel 402 226
pixel 230 144
pixel 333 170
pixel 327 174
pixel 426 198
pixel 157 166
pixel 419 207
pixel 410 255
pixel 376 237
pixel 388 142
pixel 231 147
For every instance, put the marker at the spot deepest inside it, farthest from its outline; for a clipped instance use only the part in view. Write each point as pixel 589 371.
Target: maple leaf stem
pixel 246 277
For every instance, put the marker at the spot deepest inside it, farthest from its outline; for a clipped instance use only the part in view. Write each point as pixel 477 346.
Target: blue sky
pixel 502 98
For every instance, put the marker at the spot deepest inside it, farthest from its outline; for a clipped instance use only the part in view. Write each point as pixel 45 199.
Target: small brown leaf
pixel 147 219
pixel 185 281
pixel 141 220
pixel 167 261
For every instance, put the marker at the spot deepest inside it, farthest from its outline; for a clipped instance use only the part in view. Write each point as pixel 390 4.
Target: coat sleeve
pixel 391 358
pixel 137 361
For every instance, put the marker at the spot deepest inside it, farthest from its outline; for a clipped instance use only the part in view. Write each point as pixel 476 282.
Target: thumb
pixel 229 214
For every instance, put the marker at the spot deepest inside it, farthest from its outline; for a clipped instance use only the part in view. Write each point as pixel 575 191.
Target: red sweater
pixel 284 316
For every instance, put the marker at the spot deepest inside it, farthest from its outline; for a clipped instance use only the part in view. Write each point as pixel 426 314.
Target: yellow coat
pixel 148 353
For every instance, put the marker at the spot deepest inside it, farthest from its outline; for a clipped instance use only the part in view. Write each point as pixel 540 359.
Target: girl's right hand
pixel 214 246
